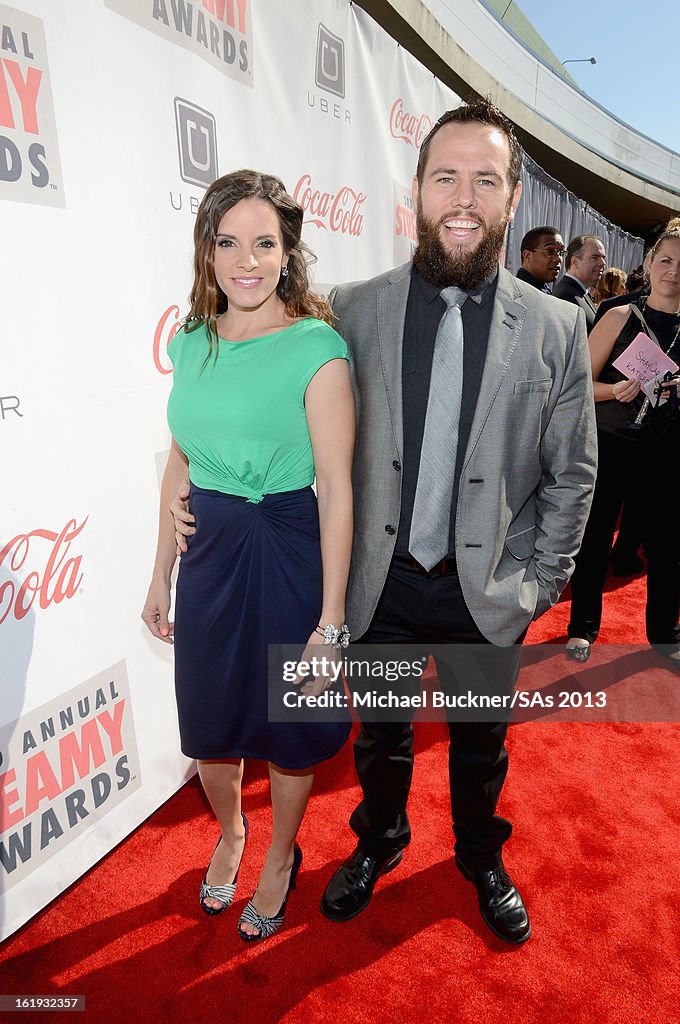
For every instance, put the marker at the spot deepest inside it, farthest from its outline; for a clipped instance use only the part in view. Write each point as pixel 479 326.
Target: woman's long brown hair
pixel 207 298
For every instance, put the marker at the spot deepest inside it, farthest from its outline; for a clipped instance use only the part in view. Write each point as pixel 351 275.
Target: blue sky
pixel 636 46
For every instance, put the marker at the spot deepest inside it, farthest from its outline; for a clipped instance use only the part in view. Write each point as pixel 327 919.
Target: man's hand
pixel 156 610
pixel 179 507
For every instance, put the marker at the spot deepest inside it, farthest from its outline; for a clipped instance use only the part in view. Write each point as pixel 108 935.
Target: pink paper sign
pixel 643 360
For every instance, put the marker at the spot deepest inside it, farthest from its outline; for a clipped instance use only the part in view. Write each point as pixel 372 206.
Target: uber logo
pixel 330 62
pixel 9 404
pixel 196 142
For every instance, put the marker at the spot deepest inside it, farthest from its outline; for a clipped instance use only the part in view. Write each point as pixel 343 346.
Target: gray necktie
pixel 431 521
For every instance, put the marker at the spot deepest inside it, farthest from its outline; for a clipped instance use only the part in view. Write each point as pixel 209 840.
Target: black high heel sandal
pixel 269 925
pixel 223 893
pixel 579 652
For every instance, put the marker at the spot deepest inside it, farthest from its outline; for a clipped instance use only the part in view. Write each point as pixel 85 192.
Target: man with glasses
pixel 542 250
pixel 586 261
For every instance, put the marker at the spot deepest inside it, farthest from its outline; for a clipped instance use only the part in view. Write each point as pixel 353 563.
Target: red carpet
pixel 594 851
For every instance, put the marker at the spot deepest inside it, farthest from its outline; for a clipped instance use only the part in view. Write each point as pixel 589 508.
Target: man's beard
pixel 466 269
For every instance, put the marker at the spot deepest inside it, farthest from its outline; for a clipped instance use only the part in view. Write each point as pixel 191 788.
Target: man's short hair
pixel 478 112
pixel 575 247
pixel 533 237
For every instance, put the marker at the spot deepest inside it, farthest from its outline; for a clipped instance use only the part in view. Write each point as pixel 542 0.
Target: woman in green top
pixel 261 405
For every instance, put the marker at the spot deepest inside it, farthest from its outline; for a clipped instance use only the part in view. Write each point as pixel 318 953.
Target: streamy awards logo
pixel 219 31
pixel 340 212
pixel 329 76
pixel 410 128
pixel 30 168
pixel 405 237
pixel 63 766
pixel 45 566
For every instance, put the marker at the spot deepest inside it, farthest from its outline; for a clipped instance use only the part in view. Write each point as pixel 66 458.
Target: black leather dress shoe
pixel 499 902
pixel 351 887
pixel 673 662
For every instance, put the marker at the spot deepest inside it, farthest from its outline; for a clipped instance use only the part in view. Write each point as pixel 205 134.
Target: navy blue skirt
pixel 251 577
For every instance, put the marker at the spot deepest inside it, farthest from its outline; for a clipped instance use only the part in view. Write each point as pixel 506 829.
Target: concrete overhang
pixel 635 204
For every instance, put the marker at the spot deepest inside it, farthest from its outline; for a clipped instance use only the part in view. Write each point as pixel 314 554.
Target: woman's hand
pixel 625 390
pixel 315 648
pixel 156 610
pixel 184 521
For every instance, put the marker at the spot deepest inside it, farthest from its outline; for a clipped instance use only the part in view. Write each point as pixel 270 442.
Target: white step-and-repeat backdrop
pixel 114 117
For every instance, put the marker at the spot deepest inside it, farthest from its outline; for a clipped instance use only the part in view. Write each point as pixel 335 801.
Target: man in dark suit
pixel 542 250
pixel 586 260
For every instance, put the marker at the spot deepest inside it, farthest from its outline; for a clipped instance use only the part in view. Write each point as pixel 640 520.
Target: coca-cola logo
pixel 338 211
pixel 166 329
pixel 410 128
pixel 59 578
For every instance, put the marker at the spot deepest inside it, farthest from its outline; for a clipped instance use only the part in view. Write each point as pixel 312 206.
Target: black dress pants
pixel 620 462
pixel 430 609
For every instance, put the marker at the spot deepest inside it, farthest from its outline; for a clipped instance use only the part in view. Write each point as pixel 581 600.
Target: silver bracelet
pixel 332 637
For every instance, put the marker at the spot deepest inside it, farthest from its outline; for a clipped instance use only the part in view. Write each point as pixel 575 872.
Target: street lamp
pixel 581 60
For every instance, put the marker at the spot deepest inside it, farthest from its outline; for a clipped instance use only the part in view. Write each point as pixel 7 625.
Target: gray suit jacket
pixel 529 469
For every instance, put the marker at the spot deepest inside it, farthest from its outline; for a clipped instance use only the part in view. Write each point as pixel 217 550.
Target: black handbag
pixel 661 421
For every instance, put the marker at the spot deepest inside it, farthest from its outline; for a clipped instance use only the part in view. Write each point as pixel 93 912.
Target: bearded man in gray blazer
pixel 514 473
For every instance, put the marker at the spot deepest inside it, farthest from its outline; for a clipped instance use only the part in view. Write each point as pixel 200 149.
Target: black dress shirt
pixel 424 311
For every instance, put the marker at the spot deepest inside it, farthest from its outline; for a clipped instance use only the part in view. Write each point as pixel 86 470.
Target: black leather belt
pixel 444 567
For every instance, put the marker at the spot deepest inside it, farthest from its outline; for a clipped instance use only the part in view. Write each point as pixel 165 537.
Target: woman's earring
pixel 284 271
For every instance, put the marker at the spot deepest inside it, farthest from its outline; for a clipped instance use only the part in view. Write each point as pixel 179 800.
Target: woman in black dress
pixel 623 460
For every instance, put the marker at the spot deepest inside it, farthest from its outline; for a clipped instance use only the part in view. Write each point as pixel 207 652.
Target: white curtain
pixel 547 201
